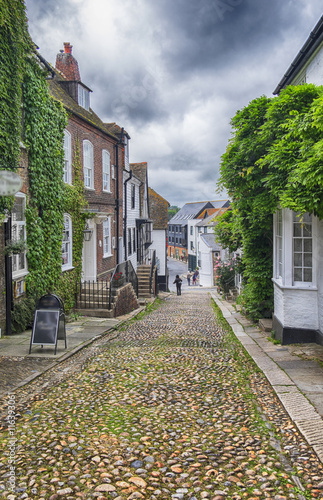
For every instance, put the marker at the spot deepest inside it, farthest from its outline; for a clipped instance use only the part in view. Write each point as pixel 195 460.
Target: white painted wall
pixel 314 70
pixel 206 269
pixel 299 306
pixel 132 213
pixel 159 244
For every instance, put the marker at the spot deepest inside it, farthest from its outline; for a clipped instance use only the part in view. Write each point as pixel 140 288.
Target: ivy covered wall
pixel 29 114
pixel 15 46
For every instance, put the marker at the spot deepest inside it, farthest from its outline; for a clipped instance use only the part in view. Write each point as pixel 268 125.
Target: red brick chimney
pixel 67 64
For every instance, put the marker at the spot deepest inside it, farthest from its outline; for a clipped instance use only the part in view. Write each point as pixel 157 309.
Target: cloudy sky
pixel 174 72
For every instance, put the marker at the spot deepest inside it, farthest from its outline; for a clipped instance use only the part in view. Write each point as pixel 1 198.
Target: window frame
pixel 83 97
pixel 67 174
pixel 133 240
pixel 106 174
pixel 107 239
pixel 303 238
pixel 88 164
pixel 67 242
pixel 133 196
pixel 279 241
pixel 16 259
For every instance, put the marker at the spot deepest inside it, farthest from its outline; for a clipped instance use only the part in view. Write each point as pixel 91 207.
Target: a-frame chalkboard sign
pixel 49 322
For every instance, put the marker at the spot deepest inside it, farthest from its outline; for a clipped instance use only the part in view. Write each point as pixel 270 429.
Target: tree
pixel 273 159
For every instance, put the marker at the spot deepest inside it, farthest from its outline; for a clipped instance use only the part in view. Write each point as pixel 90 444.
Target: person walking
pixel 178 283
pixel 188 276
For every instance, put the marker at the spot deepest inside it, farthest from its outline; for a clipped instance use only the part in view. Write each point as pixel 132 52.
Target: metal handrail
pixel 123 273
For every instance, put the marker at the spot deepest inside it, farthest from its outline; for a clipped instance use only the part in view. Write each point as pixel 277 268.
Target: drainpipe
pixel 125 237
pixel 8 277
pixel 118 196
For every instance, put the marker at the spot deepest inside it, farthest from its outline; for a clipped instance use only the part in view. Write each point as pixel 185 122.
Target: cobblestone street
pixel 171 407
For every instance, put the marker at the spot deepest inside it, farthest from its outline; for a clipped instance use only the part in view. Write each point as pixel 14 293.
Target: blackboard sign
pixel 45 328
pixel 49 322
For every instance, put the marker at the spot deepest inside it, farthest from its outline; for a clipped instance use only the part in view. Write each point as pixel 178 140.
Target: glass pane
pixel 307 245
pixel 307 230
pixel 297 245
pixel 298 260
pixel 297 229
pixel 308 260
pixel 298 274
pixel 308 275
pixel 21 259
pixel 306 218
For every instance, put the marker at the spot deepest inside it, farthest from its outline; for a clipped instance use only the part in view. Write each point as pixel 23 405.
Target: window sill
pixel 298 286
pixel 19 274
pixel 67 267
pixel 89 188
pixel 106 191
pixel 106 256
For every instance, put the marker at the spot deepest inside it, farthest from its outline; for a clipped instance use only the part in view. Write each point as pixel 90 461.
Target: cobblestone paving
pixel 13 370
pixel 172 408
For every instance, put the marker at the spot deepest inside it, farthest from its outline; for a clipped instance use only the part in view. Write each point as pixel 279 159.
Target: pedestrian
pixel 178 282
pixel 194 279
pixel 188 276
pixel 196 276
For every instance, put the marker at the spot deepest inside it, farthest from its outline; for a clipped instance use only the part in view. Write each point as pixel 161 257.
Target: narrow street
pixel 171 408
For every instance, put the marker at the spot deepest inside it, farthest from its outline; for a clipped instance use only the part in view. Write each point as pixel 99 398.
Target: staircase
pixel 93 299
pixel 143 274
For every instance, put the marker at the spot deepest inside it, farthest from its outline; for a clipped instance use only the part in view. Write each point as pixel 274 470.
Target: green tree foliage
pixel 172 211
pixel 273 159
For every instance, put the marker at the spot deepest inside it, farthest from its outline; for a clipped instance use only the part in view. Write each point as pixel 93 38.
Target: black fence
pixel 93 294
pixel 123 273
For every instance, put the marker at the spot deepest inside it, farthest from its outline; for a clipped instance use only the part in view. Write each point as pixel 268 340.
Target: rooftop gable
pixel 313 42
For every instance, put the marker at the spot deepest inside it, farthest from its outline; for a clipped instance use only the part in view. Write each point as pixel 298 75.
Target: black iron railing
pixel 153 274
pixel 93 294
pixel 123 273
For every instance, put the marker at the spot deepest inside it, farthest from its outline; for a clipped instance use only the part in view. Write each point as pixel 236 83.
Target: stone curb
pixel 78 348
pixel 300 410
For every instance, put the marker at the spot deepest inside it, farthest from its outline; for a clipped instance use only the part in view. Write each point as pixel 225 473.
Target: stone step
pixel 95 313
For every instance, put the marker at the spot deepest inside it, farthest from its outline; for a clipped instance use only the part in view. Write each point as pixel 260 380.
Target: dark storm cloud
pixel 174 72
pixel 208 32
pixel 135 98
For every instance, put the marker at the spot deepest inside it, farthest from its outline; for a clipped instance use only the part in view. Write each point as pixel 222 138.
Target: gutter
pixel 118 195
pixel 309 47
pixel 125 217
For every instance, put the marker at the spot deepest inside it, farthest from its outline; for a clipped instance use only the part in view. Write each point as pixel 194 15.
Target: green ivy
pixel 15 46
pixel 45 121
pixel 50 197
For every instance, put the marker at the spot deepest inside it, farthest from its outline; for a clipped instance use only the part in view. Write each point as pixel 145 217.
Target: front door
pixel 89 257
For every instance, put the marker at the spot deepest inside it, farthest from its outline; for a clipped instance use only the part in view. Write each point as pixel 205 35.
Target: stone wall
pixel 125 300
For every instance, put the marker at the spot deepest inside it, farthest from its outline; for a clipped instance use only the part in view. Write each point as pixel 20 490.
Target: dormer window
pixel 83 97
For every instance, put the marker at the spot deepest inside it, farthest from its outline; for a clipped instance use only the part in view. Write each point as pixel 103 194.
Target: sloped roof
pixel 58 90
pixel 312 43
pixel 211 219
pixel 158 209
pixel 193 210
pixel 209 240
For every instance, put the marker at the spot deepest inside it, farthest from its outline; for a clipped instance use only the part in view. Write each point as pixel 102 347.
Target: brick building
pixel 101 151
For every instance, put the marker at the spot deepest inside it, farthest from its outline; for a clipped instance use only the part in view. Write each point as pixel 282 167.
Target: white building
pixel 298 244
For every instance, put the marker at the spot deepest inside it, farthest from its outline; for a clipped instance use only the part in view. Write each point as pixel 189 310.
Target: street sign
pixel 10 183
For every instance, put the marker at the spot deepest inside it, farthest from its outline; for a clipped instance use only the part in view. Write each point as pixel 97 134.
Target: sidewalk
pixel 18 367
pixel 298 382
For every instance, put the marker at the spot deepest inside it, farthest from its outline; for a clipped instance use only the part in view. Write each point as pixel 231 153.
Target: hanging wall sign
pixel 10 183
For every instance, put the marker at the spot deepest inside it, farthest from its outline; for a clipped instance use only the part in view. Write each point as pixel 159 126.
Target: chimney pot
pixel 68 48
